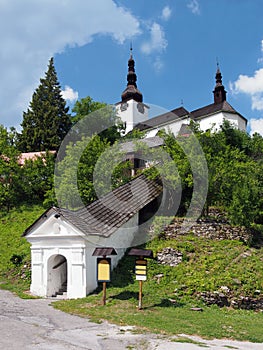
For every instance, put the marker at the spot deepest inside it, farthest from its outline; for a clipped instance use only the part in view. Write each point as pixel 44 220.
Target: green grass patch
pixel 15 272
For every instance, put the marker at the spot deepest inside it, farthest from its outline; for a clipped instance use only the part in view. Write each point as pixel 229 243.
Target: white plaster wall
pixel 173 127
pixel 76 265
pixel 132 116
pixel 236 121
pixel 214 121
pixel 120 240
pixel 57 237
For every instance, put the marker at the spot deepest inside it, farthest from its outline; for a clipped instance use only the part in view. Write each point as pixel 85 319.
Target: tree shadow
pixel 125 295
pixel 123 273
pixel 166 303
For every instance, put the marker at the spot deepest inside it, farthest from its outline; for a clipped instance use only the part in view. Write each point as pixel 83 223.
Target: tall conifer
pixel 46 121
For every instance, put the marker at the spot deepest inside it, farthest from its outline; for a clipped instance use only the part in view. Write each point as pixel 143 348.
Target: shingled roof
pixel 175 114
pixel 213 108
pixel 107 214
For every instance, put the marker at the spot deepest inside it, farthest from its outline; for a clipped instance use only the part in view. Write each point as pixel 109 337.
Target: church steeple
pixel 131 92
pixel 219 91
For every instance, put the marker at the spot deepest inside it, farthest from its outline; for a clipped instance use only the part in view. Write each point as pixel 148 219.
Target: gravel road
pixel 35 324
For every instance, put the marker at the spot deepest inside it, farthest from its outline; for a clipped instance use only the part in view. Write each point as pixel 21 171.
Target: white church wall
pixel 214 121
pixel 173 127
pixel 236 121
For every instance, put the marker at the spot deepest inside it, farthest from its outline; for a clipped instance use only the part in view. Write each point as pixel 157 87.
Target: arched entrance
pixel 56 275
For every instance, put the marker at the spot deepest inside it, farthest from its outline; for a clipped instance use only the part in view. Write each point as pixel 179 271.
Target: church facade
pixel 134 112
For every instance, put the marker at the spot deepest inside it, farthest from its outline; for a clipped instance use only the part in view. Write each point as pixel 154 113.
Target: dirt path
pixel 34 324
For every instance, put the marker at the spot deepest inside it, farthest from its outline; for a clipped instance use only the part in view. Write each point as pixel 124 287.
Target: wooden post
pixel 104 294
pixel 140 295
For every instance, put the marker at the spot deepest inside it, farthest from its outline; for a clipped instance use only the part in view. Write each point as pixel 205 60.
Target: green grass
pixel 15 250
pixel 207 265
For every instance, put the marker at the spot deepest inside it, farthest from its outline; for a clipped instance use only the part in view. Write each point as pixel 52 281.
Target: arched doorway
pixel 56 275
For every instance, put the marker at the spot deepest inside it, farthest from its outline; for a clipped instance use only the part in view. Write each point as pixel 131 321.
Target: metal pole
pixel 140 295
pixel 104 294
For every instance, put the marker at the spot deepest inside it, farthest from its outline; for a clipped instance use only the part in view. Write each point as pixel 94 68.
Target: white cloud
pixel 166 13
pixel 33 31
pixel 157 40
pixel 194 7
pixel 251 86
pixel 256 125
pixel 69 94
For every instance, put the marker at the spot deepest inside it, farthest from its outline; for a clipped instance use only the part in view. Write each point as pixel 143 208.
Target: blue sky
pixel 176 44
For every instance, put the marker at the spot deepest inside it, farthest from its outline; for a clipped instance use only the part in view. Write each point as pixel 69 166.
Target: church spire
pixel 219 91
pixel 131 91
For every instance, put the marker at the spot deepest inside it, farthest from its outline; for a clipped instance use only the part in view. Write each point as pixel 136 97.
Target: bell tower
pixel 131 109
pixel 219 91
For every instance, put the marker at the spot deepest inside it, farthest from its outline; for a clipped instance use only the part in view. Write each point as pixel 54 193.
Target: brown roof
pixel 175 114
pixel 107 214
pixel 212 109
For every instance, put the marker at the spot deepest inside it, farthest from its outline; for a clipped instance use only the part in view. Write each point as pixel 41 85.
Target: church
pixel 134 112
pixel 63 241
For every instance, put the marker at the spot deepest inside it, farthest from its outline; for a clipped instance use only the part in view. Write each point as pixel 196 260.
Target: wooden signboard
pixel 103 269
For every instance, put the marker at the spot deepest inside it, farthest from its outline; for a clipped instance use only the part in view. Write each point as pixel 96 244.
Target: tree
pixel 10 184
pixel 93 117
pixel 46 121
pixel 37 177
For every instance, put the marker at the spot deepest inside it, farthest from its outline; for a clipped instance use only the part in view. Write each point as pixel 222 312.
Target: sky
pixel 176 47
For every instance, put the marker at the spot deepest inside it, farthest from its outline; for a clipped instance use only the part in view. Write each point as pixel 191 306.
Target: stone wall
pixel 215 226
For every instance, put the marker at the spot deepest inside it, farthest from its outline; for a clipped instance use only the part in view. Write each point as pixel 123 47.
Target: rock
pixel 196 309
pixel 169 256
pixel 225 289
pixel 158 277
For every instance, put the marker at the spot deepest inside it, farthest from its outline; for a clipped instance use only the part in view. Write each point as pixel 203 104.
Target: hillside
pixel 14 250
pixel 190 271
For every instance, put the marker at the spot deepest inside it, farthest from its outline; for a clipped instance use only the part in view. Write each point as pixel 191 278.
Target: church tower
pixel 219 91
pixel 131 109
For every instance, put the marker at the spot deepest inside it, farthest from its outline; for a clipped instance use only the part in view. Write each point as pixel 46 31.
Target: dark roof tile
pixel 175 114
pixel 203 112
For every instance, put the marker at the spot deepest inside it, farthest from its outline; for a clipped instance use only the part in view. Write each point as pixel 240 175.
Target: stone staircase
pixel 62 292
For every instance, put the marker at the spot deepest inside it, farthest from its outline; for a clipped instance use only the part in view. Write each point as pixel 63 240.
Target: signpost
pixel 104 268
pixel 141 268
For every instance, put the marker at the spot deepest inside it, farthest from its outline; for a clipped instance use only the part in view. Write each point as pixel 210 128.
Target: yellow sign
pixel 104 268
pixel 141 269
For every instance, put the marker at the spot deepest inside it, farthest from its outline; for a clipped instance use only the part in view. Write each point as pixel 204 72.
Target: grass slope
pixel 14 250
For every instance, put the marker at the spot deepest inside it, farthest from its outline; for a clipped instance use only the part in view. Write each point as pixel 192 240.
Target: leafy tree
pixel 37 176
pixel 46 121
pixel 75 174
pixel 10 184
pixel 93 117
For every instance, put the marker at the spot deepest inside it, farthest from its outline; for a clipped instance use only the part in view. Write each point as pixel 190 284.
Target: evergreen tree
pixel 46 121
